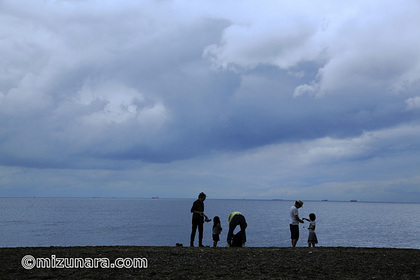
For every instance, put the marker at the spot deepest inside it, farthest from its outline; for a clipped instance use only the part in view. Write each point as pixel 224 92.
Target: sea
pixel 29 222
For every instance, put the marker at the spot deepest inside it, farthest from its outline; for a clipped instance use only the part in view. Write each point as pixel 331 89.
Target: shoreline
pixel 226 263
pixel 219 246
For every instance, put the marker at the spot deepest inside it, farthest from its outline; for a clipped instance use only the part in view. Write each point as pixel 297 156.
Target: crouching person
pixel 235 219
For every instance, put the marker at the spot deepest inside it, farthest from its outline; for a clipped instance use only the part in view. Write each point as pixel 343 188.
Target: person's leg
pixel 200 234
pixel 193 231
pixel 232 227
pixel 291 235
pixel 216 238
pixel 242 223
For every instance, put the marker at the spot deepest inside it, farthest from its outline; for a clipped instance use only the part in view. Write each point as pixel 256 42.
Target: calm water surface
pixel 165 222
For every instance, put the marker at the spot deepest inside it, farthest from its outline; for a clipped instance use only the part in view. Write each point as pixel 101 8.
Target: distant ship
pixel 155 197
pixel 353 200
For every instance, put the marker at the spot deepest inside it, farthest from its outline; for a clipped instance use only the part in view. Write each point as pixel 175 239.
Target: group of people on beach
pixel 238 219
pixel 294 225
pixel 235 219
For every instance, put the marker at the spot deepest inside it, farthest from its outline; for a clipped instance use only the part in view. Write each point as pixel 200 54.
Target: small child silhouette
pixel 312 239
pixel 217 229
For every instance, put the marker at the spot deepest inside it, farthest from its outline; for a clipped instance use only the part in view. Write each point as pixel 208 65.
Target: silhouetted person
pixel 198 219
pixel 312 239
pixel 217 229
pixel 235 219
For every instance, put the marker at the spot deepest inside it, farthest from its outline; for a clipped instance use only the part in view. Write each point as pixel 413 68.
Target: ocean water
pixel 165 222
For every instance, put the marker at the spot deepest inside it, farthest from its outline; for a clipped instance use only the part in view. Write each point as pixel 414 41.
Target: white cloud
pixel 413 103
pixel 281 35
pixel 310 89
pixel 120 104
pixel 364 46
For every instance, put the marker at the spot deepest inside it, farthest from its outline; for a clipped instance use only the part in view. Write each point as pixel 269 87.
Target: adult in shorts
pixel 294 222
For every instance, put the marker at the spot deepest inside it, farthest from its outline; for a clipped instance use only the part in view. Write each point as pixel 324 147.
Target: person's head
pixel 202 196
pixel 216 220
pixel 312 217
pixel 298 203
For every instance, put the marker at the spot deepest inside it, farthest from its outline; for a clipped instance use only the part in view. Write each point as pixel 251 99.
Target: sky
pixel 261 99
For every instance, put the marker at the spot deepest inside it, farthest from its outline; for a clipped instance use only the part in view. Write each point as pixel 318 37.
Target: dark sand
pixel 222 263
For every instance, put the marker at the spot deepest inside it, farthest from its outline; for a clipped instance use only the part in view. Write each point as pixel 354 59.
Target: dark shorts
pixel 216 237
pixel 294 232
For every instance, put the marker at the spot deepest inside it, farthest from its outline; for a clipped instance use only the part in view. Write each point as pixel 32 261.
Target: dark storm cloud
pixel 180 92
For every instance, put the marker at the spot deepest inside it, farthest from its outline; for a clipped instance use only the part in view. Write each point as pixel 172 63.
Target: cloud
pixel 120 104
pixel 364 47
pixel 261 94
pixel 413 103
pixel 311 89
pixel 271 39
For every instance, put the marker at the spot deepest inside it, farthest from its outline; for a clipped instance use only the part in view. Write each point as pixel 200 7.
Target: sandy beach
pixel 217 263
